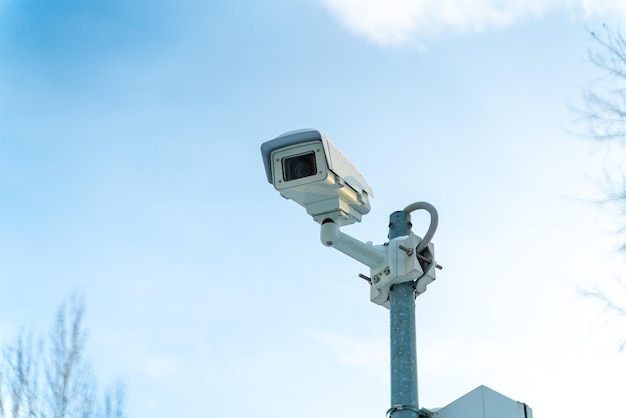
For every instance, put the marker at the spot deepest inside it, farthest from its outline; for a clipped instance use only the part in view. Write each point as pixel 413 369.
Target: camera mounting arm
pixel 366 253
pixel 400 260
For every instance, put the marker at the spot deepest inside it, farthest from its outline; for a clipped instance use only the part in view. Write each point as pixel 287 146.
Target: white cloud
pixel 392 22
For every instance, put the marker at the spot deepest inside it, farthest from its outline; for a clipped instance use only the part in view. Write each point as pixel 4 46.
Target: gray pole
pixel 404 401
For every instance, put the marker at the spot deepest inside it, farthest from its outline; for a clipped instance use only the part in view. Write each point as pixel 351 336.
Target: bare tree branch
pixel 19 379
pixel 605 116
pixel 608 303
pixel 69 389
pixel 605 99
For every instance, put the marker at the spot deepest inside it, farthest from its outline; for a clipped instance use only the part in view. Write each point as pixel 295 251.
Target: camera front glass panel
pixel 299 166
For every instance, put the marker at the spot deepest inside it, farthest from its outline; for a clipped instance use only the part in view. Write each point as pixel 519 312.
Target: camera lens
pixel 299 166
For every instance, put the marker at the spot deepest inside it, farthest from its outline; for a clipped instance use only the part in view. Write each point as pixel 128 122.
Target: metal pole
pixel 404 400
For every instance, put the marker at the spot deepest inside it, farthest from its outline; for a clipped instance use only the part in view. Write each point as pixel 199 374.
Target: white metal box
pixel 483 402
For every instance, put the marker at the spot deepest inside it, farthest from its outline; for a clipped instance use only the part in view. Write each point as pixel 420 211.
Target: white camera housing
pixel 306 167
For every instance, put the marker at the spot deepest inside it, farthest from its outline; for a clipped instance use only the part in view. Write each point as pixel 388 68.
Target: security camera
pixel 306 167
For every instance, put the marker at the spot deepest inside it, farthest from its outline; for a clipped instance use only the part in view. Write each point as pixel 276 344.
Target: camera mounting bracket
pixel 391 263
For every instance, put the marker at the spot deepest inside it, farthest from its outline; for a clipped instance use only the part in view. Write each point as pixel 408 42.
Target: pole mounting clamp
pixel 397 408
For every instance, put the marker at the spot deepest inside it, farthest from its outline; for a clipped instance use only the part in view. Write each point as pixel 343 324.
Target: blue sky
pixel 130 171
